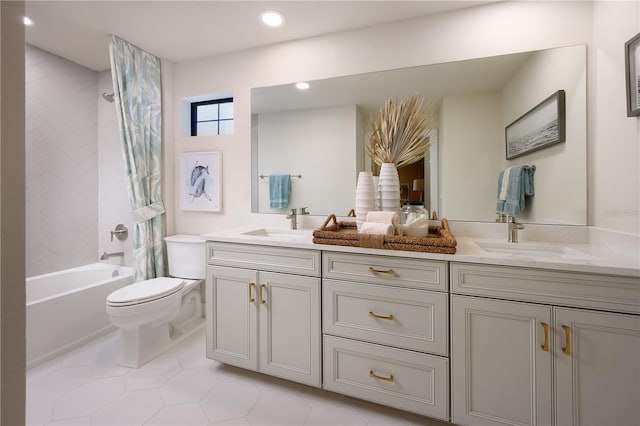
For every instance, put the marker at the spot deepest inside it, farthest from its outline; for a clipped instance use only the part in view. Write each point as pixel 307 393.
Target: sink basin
pixel 279 234
pixel 533 250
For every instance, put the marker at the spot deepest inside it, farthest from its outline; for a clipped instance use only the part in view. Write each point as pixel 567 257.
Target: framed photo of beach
pixel 632 67
pixel 200 181
pixel 540 127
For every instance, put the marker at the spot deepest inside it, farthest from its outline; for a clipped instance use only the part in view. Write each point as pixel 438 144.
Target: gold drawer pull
pixel 374 315
pixel 251 298
pixel 378 271
pixel 567 340
pixel 375 376
pixel 262 299
pixel 545 346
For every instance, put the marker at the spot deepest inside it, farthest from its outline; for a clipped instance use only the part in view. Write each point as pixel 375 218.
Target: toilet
pixel 153 315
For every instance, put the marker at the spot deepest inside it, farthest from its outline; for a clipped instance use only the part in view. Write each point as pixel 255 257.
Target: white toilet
pixel 154 314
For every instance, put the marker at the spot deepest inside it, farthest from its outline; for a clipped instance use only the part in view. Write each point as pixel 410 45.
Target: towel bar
pixel 296 176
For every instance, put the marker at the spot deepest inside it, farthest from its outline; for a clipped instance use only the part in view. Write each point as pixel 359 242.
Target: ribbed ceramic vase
pixel 388 188
pixel 365 197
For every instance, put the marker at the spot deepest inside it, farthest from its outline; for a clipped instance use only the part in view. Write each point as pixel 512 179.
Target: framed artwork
pixel 632 67
pixel 540 127
pixel 200 181
pixel 404 191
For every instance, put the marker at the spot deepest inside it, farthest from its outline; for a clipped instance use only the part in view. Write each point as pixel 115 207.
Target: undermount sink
pixel 279 234
pixel 533 250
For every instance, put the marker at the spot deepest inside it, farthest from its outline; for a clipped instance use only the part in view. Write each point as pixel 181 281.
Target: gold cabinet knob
pixel 384 317
pixel 375 376
pixel 380 271
pixel 262 299
pixel 567 340
pixel 251 298
pixel 545 345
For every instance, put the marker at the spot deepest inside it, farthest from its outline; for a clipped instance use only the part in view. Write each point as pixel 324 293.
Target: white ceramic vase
pixel 365 197
pixel 388 188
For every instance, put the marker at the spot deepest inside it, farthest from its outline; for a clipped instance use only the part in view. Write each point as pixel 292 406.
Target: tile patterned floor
pixel 182 387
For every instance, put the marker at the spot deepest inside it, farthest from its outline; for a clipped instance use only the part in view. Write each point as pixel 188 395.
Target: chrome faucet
pixel 294 219
pixel 106 255
pixel 121 232
pixel 293 215
pixel 513 229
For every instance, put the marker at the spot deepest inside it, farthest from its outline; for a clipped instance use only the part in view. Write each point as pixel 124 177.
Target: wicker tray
pixel 439 240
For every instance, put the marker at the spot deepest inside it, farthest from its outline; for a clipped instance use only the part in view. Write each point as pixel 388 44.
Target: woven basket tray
pixel 439 240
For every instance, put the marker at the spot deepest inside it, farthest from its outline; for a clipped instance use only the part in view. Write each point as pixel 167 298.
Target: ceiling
pixel 185 30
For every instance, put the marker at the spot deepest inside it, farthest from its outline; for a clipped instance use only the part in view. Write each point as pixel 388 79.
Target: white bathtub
pixel 66 309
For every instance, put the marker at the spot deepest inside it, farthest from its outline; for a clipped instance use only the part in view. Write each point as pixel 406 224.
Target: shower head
pixel 108 96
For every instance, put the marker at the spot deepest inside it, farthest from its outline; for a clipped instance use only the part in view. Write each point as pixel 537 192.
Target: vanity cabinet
pixel 501 373
pixel 263 310
pixel 597 368
pixel 559 361
pixel 385 330
pixel 470 343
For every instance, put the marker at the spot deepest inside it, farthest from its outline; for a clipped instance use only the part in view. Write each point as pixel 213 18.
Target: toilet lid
pixel 145 291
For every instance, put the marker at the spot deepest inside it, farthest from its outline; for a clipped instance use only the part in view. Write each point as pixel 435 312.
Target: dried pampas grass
pixel 400 134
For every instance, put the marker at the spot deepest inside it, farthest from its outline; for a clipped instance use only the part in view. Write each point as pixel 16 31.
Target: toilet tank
pixel 186 256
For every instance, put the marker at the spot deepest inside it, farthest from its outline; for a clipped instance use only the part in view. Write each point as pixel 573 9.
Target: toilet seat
pixel 145 291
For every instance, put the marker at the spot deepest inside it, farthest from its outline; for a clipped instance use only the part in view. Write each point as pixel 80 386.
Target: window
pixel 212 117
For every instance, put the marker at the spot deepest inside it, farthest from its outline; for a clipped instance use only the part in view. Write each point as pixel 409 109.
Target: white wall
pixel 61 163
pixel 470 137
pixel 324 155
pixel 614 148
pixel 495 29
pixel 561 167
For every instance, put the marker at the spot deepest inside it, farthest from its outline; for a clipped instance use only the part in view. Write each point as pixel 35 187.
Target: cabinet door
pixel 290 327
pixel 501 367
pixel 231 311
pixel 597 368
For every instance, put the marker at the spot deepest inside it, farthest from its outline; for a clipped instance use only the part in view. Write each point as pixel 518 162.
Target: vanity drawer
pixel 264 258
pixel 576 289
pixel 396 271
pixel 403 379
pixel 401 317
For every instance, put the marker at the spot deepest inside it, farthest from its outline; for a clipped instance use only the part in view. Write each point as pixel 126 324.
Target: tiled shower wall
pixel 61 163
pixel 113 203
pixel 76 191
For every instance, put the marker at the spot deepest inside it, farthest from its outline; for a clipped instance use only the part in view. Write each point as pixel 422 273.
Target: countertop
pixel 586 257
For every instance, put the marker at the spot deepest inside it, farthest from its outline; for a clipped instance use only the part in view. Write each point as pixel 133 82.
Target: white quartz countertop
pixel 587 257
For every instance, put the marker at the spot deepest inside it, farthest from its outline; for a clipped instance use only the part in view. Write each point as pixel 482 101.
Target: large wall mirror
pixel 317 136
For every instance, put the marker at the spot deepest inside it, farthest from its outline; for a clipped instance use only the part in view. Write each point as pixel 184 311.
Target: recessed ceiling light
pixel 302 85
pixel 27 21
pixel 272 18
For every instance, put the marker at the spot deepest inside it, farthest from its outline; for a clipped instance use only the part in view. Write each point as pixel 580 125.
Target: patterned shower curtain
pixel 136 85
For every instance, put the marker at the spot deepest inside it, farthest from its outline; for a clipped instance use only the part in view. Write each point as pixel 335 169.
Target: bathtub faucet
pixel 106 255
pixel 121 232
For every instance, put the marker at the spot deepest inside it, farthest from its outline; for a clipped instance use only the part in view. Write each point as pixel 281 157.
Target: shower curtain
pixel 136 85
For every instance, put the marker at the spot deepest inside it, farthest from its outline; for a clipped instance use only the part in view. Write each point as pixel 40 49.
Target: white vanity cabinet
pixel 263 309
pixel 597 368
pixel 385 328
pixel 501 373
pixel 544 354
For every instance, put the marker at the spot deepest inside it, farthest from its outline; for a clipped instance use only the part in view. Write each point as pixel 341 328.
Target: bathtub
pixel 66 309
